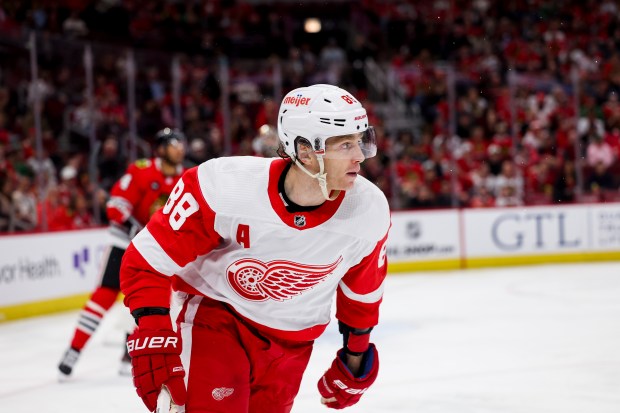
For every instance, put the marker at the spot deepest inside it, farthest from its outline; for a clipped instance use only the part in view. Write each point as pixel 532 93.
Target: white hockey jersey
pixel 225 233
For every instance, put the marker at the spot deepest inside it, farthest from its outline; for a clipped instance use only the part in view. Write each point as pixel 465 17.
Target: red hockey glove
pixel 155 359
pixel 340 388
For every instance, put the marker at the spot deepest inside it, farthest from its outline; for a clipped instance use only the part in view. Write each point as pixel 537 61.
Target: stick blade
pixel 164 401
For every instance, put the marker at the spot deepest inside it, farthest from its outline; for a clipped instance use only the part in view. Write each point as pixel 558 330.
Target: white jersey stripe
pixel 192 308
pixel 369 298
pixel 187 325
pixel 154 254
pixel 95 307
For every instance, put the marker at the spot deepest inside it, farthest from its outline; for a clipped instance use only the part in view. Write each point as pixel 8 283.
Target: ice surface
pixel 512 340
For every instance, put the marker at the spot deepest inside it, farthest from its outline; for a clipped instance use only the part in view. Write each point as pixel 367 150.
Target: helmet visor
pixel 352 146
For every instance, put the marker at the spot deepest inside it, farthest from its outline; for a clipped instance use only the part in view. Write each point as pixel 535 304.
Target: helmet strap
pixel 321 176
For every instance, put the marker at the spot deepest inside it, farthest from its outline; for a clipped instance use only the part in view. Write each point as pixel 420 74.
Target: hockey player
pixel 256 249
pixel 142 190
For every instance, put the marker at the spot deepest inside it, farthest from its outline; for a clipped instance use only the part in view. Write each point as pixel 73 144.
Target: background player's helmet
pixel 167 136
pixel 319 112
pixel 265 143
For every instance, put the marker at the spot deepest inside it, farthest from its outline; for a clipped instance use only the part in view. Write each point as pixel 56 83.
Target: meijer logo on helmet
pixel 296 100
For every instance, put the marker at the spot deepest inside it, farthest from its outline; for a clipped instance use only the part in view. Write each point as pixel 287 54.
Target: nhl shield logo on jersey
pixel 277 280
pixel 300 220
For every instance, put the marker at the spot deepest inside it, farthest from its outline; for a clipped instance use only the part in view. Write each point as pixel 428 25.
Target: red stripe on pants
pixel 235 369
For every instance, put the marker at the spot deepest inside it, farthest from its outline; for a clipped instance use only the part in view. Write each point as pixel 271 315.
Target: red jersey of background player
pixel 141 191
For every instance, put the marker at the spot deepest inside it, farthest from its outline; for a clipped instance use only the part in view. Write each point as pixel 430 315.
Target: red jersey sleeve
pixel 176 234
pixel 123 196
pixel 360 291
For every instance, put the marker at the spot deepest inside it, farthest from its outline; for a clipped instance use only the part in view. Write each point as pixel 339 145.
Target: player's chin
pixel 349 181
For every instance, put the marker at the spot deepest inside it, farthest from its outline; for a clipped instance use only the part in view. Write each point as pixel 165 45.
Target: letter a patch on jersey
pixel 243 235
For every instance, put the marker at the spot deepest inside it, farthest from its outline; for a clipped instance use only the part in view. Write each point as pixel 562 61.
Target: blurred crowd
pixel 533 116
pixel 536 108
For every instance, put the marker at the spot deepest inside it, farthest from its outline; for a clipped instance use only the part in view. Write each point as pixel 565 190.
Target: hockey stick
pixel 165 403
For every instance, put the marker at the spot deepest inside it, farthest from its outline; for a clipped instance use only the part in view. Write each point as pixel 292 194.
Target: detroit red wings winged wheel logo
pixel 277 280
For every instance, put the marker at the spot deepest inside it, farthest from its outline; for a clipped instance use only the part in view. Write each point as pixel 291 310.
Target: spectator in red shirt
pixel 482 198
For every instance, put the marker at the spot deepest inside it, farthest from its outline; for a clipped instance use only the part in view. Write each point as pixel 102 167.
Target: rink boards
pixel 472 238
pixel 41 273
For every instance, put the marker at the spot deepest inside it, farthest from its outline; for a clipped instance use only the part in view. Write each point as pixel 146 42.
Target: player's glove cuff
pixel 340 388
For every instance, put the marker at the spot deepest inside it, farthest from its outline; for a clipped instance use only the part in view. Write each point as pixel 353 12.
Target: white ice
pixel 540 339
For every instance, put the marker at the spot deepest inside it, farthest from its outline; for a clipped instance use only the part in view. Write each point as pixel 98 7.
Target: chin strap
pixel 321 176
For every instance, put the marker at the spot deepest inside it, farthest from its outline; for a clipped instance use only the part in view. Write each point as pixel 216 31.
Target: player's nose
pixel 358 154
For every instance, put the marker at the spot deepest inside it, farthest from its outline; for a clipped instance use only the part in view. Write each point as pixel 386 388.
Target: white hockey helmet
pixel 319 112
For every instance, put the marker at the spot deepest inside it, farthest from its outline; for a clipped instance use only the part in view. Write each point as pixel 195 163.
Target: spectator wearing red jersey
pixel 482 198
pixel 612 138
pixel 58 216
pixel 80 212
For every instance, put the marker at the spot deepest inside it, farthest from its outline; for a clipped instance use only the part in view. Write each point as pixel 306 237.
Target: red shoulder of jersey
pixel 360 291
pixel 176 234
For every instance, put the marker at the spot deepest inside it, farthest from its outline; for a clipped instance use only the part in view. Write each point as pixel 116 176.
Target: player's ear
pixel 305 154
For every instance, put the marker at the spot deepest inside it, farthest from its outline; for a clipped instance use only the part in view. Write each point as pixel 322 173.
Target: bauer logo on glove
pixel 348 389
pixel 152 342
